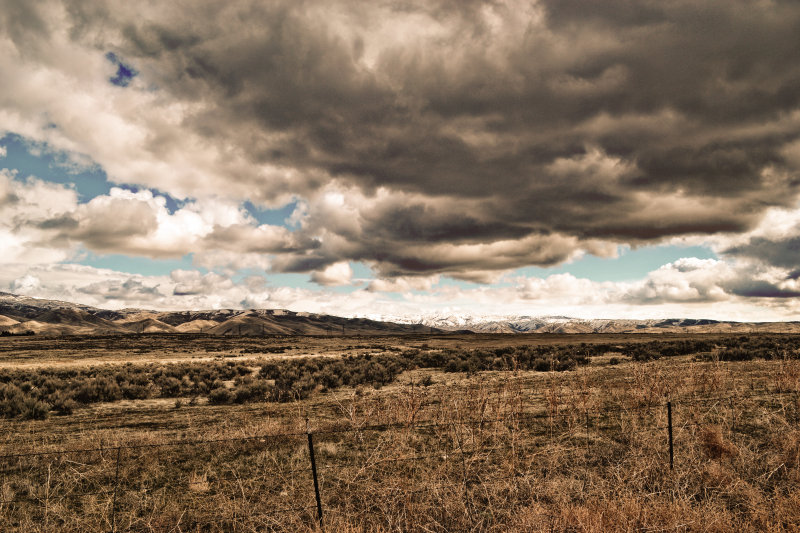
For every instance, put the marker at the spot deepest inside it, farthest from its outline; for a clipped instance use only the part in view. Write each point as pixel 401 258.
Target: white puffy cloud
pixel 685 280
pixel 139 223
pixel 25 207
pixel 335 274
pixel 231 261
pixel 42 222
pixel 27 284
pixel 192 283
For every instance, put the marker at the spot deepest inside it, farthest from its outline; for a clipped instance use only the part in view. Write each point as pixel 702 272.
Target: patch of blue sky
pixel 125 73
pixel 273 217
pixel 361 271
pixel 38 160
pixel 138 265
pixel 630 265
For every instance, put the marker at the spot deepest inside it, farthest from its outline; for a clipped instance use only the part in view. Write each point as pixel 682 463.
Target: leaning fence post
pixel 114 501
pixel 314 474
pixel 669 432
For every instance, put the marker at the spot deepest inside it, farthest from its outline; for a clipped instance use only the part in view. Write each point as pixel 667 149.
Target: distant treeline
pixel 27 333
pixel 733 348
pixel 35 393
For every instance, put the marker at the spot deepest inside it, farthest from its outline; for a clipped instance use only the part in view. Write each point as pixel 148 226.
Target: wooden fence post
pixel 669 431
pixel 314 474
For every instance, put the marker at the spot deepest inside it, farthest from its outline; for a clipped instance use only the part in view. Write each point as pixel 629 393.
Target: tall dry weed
pixel 714 445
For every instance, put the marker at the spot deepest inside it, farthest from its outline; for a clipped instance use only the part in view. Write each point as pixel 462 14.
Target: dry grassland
pixel 581 450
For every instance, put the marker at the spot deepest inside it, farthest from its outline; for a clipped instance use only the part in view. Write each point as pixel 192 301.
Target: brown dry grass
pixel 498 451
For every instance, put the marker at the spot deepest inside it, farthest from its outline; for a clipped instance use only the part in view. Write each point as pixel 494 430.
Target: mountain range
pixel 23 314
pixel 561 324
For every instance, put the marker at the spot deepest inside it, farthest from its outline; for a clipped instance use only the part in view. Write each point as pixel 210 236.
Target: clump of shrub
pixel 731 348
pixel 220 395
pixel 12 400
pixel 32 394
pixel 298 378
pixel 33 409
pixel 63 404
pixel 15 402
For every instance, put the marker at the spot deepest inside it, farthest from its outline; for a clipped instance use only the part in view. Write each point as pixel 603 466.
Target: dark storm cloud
pixel 420 223
pixel 761 289
pixel 779 252
pixel 245 238
pixel 575 120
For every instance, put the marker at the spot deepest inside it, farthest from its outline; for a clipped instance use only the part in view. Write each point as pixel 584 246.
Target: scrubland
pixel 472 433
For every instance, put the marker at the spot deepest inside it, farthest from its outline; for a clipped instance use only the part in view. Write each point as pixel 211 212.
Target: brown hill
pixel 75 317
pixel 147 325
pixel 252 325
pixel 43 328
pixel 50 317
pixel 196 326
pixel 6 321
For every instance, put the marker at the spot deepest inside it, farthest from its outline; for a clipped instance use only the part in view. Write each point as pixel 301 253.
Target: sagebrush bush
pixel 63 390
pixel 33 409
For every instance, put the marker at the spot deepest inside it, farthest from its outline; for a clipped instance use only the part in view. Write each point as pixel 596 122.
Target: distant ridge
pixel 560 324
pixel 21 314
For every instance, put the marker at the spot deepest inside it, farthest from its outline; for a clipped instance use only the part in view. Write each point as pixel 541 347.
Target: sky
pixel 400 158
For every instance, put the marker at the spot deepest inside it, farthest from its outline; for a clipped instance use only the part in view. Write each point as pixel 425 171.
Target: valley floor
pixel 585 449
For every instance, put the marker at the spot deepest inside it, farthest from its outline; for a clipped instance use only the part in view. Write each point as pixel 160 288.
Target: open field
pixel 92 350
pixel 482 442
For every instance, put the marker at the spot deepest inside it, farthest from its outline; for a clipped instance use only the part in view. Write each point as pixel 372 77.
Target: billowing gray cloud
pixel 762 289
pixel 508 134
pixel 779 252
pixel 127 290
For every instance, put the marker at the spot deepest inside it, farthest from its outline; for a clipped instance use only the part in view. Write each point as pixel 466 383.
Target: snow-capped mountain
pixel 562 324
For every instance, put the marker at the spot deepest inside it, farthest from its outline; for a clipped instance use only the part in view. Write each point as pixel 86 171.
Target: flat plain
pixel 410 433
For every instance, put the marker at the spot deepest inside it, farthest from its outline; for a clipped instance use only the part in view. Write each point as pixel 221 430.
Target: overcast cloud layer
pixel 457 139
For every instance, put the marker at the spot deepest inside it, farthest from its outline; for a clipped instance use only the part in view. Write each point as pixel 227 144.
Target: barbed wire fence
pixel 307 476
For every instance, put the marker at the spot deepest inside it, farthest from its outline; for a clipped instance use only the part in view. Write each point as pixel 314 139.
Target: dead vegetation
pixel 489 450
